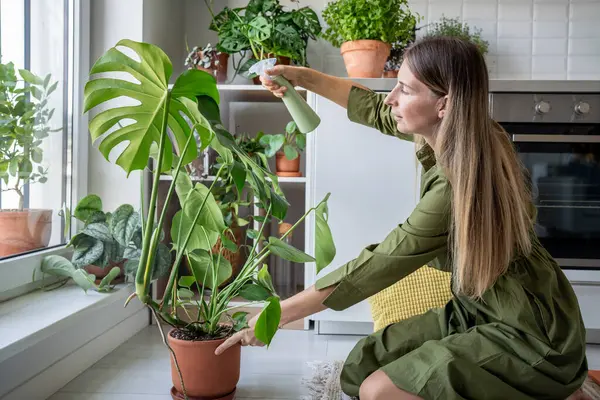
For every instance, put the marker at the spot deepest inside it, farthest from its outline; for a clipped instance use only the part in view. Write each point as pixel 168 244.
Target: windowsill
pixel 31 318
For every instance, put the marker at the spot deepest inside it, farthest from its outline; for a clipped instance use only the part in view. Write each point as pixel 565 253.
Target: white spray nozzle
pixel 261 66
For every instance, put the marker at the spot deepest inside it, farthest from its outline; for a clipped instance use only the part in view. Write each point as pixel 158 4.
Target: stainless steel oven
pixel 557 136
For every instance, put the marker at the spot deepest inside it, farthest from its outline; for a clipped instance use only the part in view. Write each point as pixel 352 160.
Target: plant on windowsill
pixel 454 28
pixel 265 29
pixel 293 143
pixel 364 30
pixel 24 124
pixel 162 135
pixel 106 250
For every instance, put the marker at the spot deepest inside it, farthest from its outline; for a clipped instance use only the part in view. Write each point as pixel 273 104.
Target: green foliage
pixel 454 28
pixel 292 141
pixel 61 267
pixel 266 28
pixel 389 21
pixel 24 124
pixel 200 221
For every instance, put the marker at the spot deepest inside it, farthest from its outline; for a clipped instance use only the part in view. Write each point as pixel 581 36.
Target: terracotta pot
pixel 23 231
pixel 101 272
pixel 281 60
pixel 390 74
pixel 218 71
pixel 365 58
pixel 205 375
pixel 285 167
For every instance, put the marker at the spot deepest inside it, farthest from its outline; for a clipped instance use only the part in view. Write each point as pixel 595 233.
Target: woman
pixel 513 329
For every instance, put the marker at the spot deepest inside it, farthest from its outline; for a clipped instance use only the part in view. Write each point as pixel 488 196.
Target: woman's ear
pixel 442 102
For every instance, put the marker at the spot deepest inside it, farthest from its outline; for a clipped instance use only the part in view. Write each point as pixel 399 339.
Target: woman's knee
pixel 378 386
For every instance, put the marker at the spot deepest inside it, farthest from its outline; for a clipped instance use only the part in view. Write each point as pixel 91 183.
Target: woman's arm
pixel 331 87
pixel 304 304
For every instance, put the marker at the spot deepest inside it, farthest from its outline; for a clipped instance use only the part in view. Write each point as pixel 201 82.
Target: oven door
pixel 563 161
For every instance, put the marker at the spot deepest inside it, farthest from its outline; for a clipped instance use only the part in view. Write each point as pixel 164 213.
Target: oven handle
pixel 556 138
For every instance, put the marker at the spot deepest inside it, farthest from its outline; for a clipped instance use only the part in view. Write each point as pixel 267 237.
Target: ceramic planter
pixel 101 272
pixel 219 71
pixel 285 167
pixel 365 58
pixel 205 375
pixel 22 231
pixel 391 74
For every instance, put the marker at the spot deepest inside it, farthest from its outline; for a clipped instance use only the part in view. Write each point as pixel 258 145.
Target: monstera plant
pixel 160 131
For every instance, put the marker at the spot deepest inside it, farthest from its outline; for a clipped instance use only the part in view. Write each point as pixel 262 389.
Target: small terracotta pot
pixel 285 167
pixel 205 375
pixel 281 60
pixel 218 71
pixel 101 272
pixel 23 231
pixel 365 58
pixel 390 74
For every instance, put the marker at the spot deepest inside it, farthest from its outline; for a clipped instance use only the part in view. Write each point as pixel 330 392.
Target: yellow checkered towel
pixel 417 293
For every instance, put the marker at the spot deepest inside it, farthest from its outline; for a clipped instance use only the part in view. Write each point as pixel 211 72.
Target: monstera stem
pixel 144 272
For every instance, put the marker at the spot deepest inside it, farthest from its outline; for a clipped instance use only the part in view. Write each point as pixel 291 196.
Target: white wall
pixel 529 39
pixel 111 21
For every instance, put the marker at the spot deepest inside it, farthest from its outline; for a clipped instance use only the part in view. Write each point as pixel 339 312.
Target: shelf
pixel 282 180
pixel 249 93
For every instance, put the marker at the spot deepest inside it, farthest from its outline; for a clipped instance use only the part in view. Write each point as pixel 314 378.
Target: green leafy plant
pixel 454 28
pixel 24 124
pixel 389 21
pixel 199 224
pixel 110 240
pixel 292 141
pixel 265 29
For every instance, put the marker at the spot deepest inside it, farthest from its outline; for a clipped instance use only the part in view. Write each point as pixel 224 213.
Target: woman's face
pixel 416 108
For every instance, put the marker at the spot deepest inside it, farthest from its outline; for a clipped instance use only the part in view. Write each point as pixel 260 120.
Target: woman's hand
pixel 245 337
pixel 292 74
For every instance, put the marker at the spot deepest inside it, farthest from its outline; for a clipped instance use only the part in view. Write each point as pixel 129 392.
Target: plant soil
pixel 182 334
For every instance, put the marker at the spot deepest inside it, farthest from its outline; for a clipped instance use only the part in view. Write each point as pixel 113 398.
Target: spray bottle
pixel 305 117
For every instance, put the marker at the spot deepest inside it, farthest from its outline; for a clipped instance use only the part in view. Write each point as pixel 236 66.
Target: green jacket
pixel 421 239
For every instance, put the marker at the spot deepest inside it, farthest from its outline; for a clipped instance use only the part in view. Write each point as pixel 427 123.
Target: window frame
pixel 20 274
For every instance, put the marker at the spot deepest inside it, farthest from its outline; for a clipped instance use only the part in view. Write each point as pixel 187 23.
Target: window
pixel 38 48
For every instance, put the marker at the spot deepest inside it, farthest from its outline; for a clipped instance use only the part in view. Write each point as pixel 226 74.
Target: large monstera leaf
pixel 152 92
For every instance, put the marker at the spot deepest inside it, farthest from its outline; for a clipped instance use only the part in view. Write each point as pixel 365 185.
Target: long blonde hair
pixel 491 202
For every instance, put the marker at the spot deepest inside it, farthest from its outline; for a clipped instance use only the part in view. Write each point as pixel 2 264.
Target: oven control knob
pixel 543 107
pixel 582 108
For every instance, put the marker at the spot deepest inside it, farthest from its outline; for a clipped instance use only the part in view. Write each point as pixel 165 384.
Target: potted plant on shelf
pixel 454 28
pixel 200 324
pixel 364 30
pixel 267 30
pixel 208 59
pixel 107 248
pixel 24 124
pixel 293 143
pixel 394 61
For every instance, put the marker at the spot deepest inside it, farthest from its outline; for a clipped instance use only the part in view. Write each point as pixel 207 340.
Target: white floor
pixel 140 369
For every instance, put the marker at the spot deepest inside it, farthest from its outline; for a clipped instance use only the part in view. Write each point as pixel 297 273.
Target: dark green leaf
pixel 288 252
pixel 239 319
pixel 279 205
pixel 198 239
pixel 87 206
pixel 57 266
pixel 193 197
pixel 268 321
pixel 162 262
pixel 124 223
pixel 98 230
pixel 229 244
pixel 253 292
pixel 186 281
pixel 264 278
pixel 87 251
pixel 112 275
pixel 238 173
pixel 252 233
pixel 324 245
pixel 200 262
pixel 301 142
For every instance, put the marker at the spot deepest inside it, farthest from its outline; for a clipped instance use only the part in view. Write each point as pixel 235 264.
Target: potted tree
pixel 199 324
pixel 208 59
pixel 454 28
pixel 293 143
pixel 365 30
pixel 267 30
pixel 24 124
